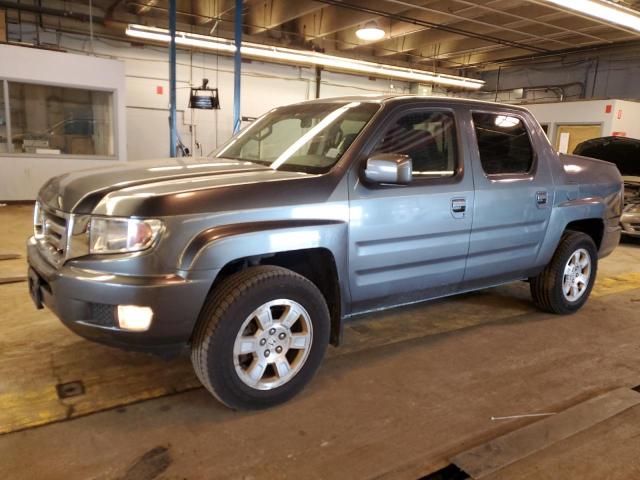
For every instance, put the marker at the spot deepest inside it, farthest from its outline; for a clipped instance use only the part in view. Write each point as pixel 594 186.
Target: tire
pixel 549 288
pixel 234 320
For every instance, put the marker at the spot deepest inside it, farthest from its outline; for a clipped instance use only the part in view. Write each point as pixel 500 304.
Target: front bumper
pixel 630 221
pixel 83 299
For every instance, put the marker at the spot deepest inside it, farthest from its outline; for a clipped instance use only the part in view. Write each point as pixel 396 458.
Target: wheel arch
pixel 318 265
pixel 593 227
pixel 582 215
pixel 315 249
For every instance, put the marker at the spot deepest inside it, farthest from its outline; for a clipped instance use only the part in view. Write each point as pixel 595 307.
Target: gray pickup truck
pixel 253 257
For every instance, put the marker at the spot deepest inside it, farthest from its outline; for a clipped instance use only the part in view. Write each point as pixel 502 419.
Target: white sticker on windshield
pixel 332 153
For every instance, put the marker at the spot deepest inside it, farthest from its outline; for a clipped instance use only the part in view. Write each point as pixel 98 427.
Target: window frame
pixel 531 173
pixel 6 80
pixel 387 122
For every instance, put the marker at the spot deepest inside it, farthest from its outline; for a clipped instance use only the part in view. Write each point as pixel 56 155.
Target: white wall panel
pixel 21 176
pixel 136 72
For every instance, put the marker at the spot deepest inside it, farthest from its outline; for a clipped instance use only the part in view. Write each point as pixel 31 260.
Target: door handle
pixel 541 199
pixel 458 207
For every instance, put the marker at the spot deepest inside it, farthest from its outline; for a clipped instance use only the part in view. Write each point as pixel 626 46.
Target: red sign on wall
pixel 159 90
pixel 607 108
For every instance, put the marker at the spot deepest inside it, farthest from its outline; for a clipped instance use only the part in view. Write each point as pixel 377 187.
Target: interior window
pixel 52 120
pixel 503 143
pixel 428 137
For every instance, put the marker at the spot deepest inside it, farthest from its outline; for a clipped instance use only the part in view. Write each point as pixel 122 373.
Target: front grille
pixel 51 232
pixel 54 231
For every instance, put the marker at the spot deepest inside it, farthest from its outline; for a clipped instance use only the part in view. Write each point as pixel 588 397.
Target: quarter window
pixel 503 143
pixel 428 137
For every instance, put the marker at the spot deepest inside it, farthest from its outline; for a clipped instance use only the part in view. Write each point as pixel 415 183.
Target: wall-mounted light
pixel 603 10
pixel 370 32
pixel 303 57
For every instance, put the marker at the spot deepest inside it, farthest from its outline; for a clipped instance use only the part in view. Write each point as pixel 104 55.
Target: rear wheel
pixel 261 337
pixel 566 282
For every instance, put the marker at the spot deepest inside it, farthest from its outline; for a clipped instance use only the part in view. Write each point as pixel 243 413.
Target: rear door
pixel 513 197
pixel 410 242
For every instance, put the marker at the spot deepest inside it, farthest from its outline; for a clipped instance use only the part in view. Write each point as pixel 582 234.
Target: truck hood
pixel 160 187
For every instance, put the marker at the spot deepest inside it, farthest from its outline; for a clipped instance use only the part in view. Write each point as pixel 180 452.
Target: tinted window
pixel 503 143
pixel 428 137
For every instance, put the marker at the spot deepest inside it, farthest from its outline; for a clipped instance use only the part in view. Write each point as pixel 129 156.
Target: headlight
pixel 117 235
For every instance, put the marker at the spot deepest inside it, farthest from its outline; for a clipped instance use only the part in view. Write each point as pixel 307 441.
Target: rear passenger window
pixel 503 143
pixel 428 137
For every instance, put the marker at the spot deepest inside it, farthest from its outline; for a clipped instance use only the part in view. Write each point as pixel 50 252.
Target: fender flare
pixel 561 216
pixel 214 247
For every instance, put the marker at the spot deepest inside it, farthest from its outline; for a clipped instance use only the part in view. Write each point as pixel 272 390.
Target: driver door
pixel 410 242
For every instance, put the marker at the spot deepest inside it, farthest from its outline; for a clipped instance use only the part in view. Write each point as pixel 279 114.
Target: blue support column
pixel 173 131
pixel 237 67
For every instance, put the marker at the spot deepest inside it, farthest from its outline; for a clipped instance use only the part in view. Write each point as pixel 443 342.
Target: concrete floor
pixel 408 391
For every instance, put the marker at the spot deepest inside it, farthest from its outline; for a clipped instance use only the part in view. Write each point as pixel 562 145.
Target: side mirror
pixel 391 168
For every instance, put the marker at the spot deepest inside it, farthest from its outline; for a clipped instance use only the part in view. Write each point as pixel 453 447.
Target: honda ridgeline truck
pixel 254 256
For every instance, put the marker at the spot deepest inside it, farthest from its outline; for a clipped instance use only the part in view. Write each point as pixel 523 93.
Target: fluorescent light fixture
pixel 370 32
pixel 603 10
pixel 302 57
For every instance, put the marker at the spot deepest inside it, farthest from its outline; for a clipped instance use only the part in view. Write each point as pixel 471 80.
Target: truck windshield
pixel 308 138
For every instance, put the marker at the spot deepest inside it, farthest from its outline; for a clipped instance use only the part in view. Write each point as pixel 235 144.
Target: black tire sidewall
pixel 220 360
pixel 578 242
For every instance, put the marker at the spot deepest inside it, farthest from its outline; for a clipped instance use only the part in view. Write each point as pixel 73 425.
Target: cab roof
pixel 408 98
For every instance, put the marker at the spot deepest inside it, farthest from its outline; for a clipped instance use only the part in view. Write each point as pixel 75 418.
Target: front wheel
pixel 260 337
pixel 566 282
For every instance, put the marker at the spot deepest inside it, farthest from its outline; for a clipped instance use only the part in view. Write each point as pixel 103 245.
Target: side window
pixel 428 137
pixel 503 143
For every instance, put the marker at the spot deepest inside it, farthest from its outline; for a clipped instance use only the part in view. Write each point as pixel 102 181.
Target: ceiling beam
pixel 426 39
pixel 347 39
pixel 268 14
pixel 483 25
pixel 433 25
pixel 341 15
pixel 212 9
pixel 537 21
pixel 585 16
pixel 531 14
pixel 492 60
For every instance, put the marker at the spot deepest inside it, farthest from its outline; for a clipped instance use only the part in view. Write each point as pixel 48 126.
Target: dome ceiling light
pixel 370 32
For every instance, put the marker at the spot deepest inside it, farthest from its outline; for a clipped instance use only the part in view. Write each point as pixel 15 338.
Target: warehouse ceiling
pixel 446 35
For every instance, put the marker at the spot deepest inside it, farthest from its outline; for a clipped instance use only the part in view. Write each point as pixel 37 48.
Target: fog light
pixel 134 318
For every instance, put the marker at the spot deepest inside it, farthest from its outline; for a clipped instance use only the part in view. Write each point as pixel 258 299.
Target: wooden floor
pixel 39 356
